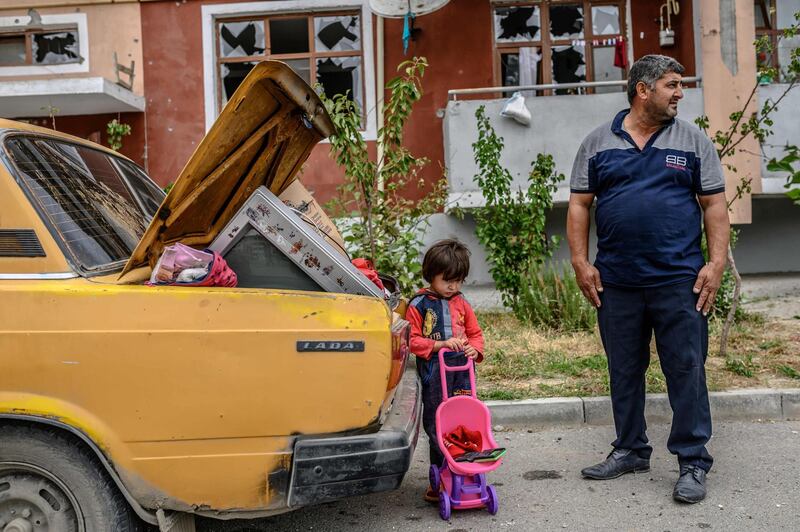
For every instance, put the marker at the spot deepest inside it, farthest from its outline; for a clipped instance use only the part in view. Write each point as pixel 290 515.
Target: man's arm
pixel 587 275
pixel 718 229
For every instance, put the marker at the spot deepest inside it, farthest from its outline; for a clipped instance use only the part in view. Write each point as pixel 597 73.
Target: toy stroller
pixel 462 484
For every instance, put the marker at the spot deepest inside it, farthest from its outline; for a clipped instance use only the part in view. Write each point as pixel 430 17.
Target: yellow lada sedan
pixel 119 399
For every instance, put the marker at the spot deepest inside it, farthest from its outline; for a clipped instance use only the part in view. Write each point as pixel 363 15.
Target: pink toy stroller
pixel 462 485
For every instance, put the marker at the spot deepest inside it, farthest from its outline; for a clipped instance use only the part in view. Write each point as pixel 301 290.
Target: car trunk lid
pixel 262 137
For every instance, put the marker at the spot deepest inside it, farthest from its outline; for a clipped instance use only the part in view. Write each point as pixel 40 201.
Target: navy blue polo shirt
pixel 647 215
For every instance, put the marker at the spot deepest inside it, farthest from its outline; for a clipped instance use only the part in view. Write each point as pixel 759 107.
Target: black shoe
pixel 691 486
pixel 618 462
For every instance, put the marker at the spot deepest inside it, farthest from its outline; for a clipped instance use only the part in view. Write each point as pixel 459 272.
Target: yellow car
pixel 119 399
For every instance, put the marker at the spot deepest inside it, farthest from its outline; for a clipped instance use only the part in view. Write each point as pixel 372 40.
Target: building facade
pixel 167 67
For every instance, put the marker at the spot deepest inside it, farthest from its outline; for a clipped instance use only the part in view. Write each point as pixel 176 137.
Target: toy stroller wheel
pixel 444 506
pixel 492 504
pixel 434 478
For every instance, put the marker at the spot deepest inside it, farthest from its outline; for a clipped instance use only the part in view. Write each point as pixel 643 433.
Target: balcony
pixel 559 124
pixel 66 97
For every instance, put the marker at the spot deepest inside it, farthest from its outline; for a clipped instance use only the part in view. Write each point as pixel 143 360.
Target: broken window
pixel 605 20
pixel 513 24
pixel 566 21
pixel 337 34
pixel 324 48
pixel 241 39
pixel 49 46
pixel 54 48
pixel 341 75
pixel 564 53
pixel 569 66
pixel 232 75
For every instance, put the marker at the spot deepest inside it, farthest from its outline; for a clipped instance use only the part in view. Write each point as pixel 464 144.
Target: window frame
pixel 28 34
pixel 546 44
pixel 311 55
pixel 210 13
pixel 77 22
pixel 773 32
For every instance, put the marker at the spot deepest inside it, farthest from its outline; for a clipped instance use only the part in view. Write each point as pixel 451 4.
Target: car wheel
pixel 50 482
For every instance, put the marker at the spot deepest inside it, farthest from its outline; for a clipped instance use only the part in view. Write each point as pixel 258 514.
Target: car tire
pixel 50 481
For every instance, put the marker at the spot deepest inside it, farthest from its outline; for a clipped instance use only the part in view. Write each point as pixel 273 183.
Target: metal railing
pixel 454 93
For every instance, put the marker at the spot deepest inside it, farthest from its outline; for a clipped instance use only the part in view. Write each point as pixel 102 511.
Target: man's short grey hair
pixel 648 69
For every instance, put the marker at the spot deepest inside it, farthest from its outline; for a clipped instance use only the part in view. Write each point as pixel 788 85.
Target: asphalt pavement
pixel 754 485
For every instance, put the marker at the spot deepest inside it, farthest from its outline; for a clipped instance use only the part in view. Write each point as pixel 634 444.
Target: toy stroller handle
pixel 444 369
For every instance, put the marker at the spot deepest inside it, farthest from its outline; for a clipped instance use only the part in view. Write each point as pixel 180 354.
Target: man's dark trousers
pixel 627 318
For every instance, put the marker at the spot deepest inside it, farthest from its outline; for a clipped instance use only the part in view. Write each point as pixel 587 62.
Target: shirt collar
pixel 616 124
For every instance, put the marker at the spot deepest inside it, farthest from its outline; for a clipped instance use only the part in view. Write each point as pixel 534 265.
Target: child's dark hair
pixel 448 257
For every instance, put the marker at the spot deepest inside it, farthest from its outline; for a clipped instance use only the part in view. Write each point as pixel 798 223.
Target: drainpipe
pixel 380 93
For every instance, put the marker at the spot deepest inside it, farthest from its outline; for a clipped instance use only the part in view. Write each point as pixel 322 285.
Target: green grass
pixel 526 361
pixel 772 345
pixel 789 371
pixel 744 367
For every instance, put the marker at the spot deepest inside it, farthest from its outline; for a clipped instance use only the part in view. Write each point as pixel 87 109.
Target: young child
pixel 441 317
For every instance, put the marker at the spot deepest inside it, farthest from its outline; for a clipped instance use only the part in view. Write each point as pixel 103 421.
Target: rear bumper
pixel 325 469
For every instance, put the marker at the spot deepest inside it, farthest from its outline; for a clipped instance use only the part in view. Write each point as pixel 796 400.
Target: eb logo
pixel 676 159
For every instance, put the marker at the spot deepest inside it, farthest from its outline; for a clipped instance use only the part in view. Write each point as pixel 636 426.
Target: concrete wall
pixel 771 243
pixel 558 126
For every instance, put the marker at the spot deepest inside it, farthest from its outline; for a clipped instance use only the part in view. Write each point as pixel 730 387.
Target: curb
pixel 734 405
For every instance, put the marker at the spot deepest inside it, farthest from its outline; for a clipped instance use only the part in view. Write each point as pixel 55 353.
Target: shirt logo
pixel 676 161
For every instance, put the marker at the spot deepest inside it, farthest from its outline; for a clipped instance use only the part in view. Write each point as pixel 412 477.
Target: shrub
pixel 550 297
pixel 511 225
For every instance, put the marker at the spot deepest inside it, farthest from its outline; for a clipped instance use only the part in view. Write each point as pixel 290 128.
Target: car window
pixel 86 197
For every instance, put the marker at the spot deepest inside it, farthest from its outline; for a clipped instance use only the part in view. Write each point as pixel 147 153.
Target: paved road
pixel 755 485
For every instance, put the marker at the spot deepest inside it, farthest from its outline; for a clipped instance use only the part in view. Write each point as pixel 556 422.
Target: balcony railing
pixel 453 94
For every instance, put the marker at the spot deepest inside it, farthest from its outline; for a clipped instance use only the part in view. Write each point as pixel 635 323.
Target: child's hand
pixel 454 344
pixel 471 352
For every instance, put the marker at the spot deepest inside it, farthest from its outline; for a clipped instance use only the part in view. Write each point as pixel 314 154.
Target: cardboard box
pixel 299 198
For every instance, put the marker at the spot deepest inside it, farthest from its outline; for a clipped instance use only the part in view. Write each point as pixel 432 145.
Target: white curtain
pixel 529 58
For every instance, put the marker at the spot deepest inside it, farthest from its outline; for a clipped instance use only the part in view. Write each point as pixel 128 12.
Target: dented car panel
pixel 217 401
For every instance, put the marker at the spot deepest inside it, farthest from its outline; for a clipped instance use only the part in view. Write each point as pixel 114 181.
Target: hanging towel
pixel 620 54
pixel 407 30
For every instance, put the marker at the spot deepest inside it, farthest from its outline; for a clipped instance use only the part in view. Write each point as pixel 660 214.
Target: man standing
pixel 654 176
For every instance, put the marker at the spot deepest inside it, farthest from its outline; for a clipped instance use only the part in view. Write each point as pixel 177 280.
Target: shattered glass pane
pixel 12 50
pixel 232 75
pixel 512 24
pixel 566 21
pixel 54 48
pixel 241 39
pixel 302 67
pixel 605 20
pixel 338 75
pixel 337 34
pixel 604 69
pixel 288 36
pixel 569 66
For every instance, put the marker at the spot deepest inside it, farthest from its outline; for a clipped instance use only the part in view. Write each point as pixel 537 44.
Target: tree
pixel 758 125
pixel 384 226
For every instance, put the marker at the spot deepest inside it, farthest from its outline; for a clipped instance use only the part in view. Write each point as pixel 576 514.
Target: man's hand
pixel 470 351
pixel 707 284
pixel 588 278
